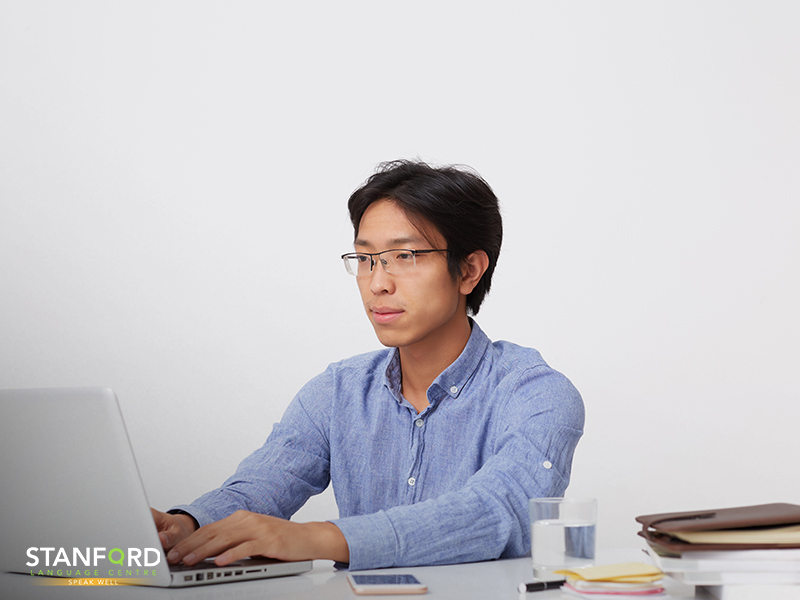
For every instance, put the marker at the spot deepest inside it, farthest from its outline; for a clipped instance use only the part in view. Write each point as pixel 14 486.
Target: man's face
pixel 422 305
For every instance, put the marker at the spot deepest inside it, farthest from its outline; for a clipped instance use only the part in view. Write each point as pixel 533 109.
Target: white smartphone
pixel 370 584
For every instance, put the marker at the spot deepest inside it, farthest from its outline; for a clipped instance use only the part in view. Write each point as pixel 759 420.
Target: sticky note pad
pixel 632 572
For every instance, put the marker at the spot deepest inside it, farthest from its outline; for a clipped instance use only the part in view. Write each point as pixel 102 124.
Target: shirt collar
pixel 450 381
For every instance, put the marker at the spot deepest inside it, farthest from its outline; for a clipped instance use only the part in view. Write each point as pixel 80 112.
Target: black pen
pixel 540 586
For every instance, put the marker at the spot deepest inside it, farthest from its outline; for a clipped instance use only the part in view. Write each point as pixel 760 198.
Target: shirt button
pixel 419 422
pixel 454 390
pixel 547 464
pixel 411 481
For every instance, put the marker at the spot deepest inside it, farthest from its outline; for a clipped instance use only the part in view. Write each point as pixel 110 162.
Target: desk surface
pixel 495 580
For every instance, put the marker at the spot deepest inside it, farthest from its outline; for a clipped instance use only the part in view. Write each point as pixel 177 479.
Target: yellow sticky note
pixel 632 572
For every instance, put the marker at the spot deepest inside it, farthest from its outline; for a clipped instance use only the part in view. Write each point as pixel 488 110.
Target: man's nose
pixel 380 280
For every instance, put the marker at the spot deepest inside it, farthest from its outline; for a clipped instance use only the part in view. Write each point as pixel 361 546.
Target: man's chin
pixel 390 339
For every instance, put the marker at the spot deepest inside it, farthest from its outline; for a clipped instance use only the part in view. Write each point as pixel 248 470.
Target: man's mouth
pixel 383 315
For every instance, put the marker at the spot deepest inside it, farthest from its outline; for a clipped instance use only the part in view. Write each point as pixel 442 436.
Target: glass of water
pixel 562 534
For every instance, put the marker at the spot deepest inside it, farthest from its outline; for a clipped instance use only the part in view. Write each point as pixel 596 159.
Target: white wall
pixel 173 179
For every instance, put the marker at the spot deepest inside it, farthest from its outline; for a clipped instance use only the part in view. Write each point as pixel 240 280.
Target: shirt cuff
pixel 200 516
pixel 371 540
pixel 178 511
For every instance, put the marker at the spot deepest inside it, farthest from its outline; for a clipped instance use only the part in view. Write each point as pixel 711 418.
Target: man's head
pixel 448 203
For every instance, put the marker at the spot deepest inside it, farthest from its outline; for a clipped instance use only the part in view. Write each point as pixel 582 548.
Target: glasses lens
pixel 395 262
pixel 357 264
pixel 398 261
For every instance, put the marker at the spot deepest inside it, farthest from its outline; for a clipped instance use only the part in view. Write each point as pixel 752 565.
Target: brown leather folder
pixel 657 529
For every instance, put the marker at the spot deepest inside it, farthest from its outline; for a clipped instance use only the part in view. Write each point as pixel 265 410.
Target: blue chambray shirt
pixel 448 485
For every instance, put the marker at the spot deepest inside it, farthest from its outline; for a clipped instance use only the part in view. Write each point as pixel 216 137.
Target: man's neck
pixel 422 363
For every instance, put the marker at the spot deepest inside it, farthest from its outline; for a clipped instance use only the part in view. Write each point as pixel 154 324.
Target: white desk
pixel 492 580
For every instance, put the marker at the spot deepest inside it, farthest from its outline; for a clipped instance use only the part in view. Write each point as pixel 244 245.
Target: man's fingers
pixel 163 525
pixel 193 553
pixel 233 554
pixel 198 546
pixel 159 518
pixel 229 539
pixel 171 528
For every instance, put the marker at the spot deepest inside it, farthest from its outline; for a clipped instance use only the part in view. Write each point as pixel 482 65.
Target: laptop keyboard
pixel 206 564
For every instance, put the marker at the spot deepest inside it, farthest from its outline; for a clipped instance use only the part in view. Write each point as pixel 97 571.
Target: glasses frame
pixel 372 256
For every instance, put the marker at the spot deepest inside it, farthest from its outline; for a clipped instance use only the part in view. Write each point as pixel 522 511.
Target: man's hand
pixel 172 528
pixel 246 534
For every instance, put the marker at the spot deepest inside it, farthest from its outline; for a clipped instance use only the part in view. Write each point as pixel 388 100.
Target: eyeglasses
pixel 395 262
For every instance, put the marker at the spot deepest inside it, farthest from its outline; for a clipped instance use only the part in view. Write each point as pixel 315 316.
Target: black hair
pixel 456 201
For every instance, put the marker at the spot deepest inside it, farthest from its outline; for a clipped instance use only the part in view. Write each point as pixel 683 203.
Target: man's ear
pixel 472 269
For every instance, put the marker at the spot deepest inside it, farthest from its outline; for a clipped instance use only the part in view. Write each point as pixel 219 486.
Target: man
pixel 434 445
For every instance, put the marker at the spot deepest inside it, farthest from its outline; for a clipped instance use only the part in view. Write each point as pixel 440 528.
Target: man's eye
pixel 362 258
pixel 404 256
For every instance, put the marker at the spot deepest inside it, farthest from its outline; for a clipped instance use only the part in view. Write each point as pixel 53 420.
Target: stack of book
pixel 614 582
pixel 744 552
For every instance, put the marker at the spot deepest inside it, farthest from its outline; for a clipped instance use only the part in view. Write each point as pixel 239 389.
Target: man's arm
pixel 278 478
pixel 246 534
pixel 248 515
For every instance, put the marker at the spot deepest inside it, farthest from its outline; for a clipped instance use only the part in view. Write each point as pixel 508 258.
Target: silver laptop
pixel 72 503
